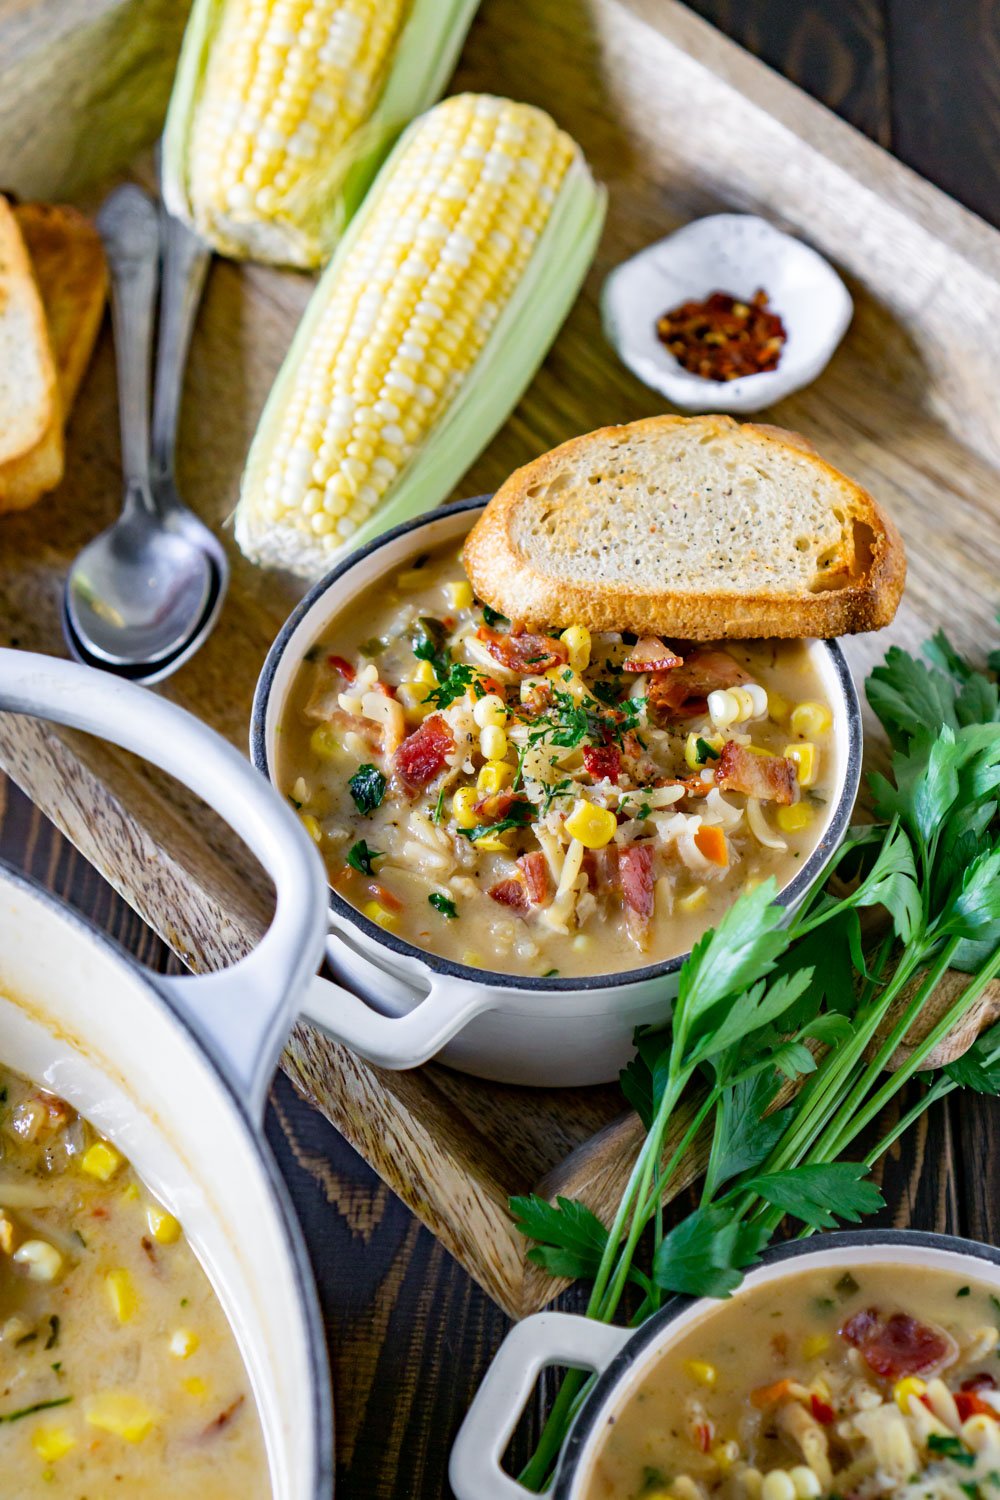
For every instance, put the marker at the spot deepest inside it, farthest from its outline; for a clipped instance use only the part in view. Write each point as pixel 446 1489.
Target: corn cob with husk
pixel 436 310
pixel 283 109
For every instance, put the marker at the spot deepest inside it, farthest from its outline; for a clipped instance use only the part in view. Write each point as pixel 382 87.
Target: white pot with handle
pixel 407 1005
pixel 175 1070
pixel 621 1358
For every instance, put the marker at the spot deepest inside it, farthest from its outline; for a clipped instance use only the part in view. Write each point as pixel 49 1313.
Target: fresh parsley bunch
pixel 782 1030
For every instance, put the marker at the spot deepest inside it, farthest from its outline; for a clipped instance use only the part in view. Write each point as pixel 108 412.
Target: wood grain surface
pixel 410 1332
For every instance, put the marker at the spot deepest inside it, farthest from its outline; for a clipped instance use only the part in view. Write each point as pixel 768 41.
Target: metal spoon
pixel 141 598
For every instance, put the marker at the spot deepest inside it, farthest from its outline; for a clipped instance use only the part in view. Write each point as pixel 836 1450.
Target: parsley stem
pixel 938 1090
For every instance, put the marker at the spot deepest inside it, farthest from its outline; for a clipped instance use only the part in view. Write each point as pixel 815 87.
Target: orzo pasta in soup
pixel 540 805
pixel 879 1382
pixel 119 1374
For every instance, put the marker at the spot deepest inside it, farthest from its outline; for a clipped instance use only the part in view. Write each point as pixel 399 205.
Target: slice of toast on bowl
pixel 692 527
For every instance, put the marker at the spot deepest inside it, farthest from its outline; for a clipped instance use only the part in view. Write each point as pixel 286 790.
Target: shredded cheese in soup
pixel 119 1374
pixel 880 1382
pixel 538 804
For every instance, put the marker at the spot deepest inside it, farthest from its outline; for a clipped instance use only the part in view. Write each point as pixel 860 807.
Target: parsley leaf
pixel 443 904
pixel 493 617
pixel 367 787
pixel 360 857
pixel 569 1237
pixel 704 751
pixel 979 1067
pixel 519 816
pixel 428 642
pixel 819 1193
pixel 455 684
pixel 707 1253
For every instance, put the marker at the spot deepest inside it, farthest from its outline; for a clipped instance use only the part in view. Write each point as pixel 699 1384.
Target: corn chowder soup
pixel 879 1382
pixel 584 804
pixel 118 1371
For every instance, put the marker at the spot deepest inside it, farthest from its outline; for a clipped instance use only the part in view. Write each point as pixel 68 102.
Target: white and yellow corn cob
pixel 282 110
pixel 423 332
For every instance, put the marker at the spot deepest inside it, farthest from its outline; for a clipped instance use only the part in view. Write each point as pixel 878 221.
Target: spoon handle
pixel 185 262
pixel 129 227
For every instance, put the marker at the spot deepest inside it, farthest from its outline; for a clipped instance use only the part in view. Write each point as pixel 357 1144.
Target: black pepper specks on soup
pixel 119 1374
pixel 540 804
pixel 881 1381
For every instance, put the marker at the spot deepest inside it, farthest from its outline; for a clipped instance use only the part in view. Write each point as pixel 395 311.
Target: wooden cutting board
pixel 678 122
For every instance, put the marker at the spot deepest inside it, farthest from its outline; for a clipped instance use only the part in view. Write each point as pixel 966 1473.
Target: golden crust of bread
pixel 31 441
pixel 67 258
pixel 505 578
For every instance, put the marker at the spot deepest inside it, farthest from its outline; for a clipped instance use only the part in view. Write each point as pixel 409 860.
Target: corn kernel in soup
pixel 567 803
pixel 118 1371
pixel 876 1382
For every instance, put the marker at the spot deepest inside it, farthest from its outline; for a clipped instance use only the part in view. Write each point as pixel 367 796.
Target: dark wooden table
pixel 410 1334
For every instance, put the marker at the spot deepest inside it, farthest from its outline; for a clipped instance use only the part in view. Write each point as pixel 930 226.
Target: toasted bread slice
pixel 67 258
pixel 31 445
pixel 692 527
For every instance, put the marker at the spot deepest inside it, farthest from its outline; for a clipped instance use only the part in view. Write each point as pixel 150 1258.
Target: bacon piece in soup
pixel 899 1344
pixel 769 778
pixel 624 873
pixel 511 892
pixel 424 753
pixel 651 655
pixel 529 655
pixel 683 691
pixel 603 762
pixel 536 876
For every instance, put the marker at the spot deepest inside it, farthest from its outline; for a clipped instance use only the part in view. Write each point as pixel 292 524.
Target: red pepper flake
pixel 723 337
pixel 822 1410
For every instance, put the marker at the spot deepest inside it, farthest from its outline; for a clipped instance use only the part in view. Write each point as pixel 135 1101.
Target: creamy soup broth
pixel 539 805
pixel 881 1381
pixel 119 1374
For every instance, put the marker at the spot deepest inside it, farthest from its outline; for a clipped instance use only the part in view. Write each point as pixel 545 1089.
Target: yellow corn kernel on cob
pixel 282 109
pixel 428 323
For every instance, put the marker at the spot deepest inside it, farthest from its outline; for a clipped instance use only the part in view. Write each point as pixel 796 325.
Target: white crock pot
pixel 175 1070
pixel 408 1005
pixel 622 1357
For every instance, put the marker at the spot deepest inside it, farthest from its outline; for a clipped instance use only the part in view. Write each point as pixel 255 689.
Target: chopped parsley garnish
pixel 436 815
pixel 428 642
pixel 312 655
pixel 367 787
pixel 455 684
pixel 493 617
pixel 53 1338
pixel 949 1446
pixel 550 973
pixel 519 815
pixel 440 903
pixel 963 1291
pixel 373 647
pixel 360 857
pixel 295 803
pixel 704 751
pixel 564 788
pixel 609 693
pixel 29 1411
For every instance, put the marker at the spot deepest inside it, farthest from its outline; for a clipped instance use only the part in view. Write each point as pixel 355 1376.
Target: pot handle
pixel 395 1042
pixel 547 1338
pixel 241 1014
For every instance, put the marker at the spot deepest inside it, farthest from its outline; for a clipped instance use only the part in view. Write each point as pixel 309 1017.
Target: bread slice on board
pixel 693 527
pixel 31 438
pixel 67 258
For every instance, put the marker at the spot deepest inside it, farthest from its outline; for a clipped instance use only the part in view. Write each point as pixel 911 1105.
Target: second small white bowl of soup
pixel 525 833
pixel 862 1363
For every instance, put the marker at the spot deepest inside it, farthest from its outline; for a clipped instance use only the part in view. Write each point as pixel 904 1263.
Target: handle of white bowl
pixel 241 1014
pixel 547 1338
pixel 395 1042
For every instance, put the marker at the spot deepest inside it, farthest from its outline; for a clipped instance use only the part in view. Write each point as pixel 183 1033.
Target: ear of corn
pixel 437 308
pixel 283 109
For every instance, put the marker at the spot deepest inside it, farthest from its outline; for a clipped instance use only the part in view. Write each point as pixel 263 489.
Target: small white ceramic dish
pixel 410 1005
pixel 736 253
pixel 621 1357
pixel 175 1071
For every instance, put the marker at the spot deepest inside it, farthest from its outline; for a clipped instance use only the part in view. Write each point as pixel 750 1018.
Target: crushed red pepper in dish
pixel 724 337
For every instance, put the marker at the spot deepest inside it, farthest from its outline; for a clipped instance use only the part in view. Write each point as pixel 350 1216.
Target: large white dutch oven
pixel 621 1358
pixel 175 1070
pixel 410 1005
